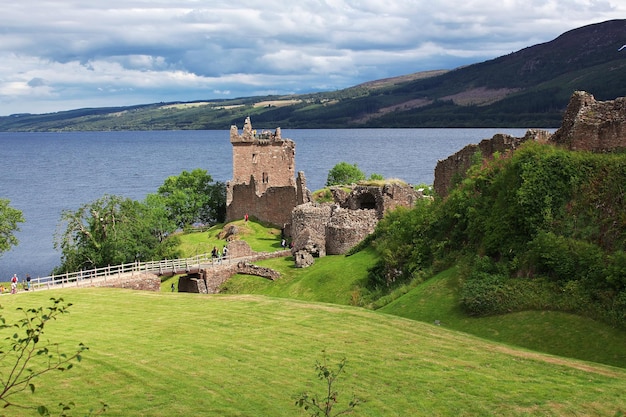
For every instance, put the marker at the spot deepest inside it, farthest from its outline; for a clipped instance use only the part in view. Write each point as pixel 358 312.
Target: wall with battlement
pixel 265 156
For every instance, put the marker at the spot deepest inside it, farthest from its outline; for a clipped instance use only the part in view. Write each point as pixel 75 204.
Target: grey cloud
pixel 36 82
pixel 137 50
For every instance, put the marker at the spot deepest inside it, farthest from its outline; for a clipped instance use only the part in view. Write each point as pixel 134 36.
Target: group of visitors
pixel 14 281
pixel 217 255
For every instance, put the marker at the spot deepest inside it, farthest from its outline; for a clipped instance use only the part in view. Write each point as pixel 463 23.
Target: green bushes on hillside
pixel 549 221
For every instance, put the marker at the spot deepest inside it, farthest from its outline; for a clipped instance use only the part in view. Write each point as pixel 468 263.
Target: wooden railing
pixel 88 277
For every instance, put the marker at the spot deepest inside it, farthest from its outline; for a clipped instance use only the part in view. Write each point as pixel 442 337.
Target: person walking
pixel 14 281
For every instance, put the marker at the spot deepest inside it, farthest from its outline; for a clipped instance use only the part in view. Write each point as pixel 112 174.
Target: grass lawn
pixel 175 354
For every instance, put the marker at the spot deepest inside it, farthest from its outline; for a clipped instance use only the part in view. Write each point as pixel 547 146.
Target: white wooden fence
pixel 88 277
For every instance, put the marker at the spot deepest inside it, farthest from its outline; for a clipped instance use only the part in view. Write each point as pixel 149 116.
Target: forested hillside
pixel 527 88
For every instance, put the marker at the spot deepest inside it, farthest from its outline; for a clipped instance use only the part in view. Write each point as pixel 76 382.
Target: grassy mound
pixel 161 354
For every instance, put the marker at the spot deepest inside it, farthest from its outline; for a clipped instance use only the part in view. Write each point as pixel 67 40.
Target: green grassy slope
pixel 156 354
pixel 337 279
pixel 547 331
pixel 333 279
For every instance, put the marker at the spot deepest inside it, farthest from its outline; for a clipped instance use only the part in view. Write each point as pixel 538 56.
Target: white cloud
pixel 62 54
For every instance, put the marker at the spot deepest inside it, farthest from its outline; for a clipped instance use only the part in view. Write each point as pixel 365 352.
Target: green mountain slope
pixel 528 88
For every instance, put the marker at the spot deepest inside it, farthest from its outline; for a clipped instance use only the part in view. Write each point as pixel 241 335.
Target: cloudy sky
pixel 66 54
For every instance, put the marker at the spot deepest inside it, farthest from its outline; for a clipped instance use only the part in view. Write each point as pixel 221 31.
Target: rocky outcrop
pixel 239 249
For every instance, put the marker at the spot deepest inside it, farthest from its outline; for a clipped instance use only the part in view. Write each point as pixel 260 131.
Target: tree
pixel 323 406
pixel 114 230
pixel 24 355
pixel 9 219
pixel 344 173
pixel 194 197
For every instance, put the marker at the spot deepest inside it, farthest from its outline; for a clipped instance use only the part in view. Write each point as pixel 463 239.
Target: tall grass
pixel 163 354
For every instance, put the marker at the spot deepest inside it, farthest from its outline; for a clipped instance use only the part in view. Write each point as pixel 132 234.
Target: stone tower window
pixel 254 158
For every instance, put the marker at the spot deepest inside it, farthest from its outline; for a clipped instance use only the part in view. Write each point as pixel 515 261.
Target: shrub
pixel 344 173
pixel 484 294
pixel 567 259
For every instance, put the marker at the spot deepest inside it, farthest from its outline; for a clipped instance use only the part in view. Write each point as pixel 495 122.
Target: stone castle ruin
pixel 264 186
pixel 264 183
pixel 588 125
pixel 334 228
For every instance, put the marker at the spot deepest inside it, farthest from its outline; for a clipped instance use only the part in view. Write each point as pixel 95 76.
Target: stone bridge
pixel 207 280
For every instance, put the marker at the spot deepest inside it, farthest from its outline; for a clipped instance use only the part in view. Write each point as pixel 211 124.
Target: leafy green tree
pixel 194 197
pixel 114 230
pixel 25 355
pixel 9 219
pixel 344 173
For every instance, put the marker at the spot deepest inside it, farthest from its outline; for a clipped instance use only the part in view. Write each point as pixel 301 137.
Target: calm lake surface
pixel 45 173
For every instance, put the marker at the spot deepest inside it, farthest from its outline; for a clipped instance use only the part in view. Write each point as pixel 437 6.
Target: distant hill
pixel 527 88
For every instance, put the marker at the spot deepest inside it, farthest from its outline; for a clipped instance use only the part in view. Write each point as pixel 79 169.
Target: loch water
pixel 43 174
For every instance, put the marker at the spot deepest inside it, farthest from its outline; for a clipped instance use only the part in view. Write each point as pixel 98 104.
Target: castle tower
pixel 263 183
pixel 264 156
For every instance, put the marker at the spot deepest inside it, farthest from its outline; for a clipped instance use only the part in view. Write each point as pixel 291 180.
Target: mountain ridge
pixel 527 88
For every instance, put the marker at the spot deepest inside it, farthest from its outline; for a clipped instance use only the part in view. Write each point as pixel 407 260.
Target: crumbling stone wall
pixel 590 125
pixel 452 169
pixel 142 282
pixel 273 206
pixel 348 227
pixel 311 217
pixel 334 228
pixel 378 198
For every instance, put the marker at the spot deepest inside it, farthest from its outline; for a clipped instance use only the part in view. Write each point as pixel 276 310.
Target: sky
pixel 66 54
